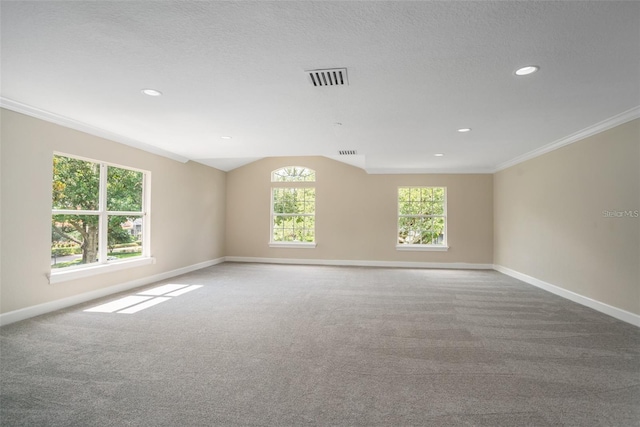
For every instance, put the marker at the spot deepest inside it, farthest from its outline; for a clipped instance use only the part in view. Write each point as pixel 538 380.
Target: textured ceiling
pixel 417 72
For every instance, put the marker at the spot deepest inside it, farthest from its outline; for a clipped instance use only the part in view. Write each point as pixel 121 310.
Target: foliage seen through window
pixel 422 216
pixel 293 207
pixel 77 215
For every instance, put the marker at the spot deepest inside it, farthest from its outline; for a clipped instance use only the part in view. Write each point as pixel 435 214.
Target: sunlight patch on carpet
pixel 134 303
pixel 184 290
pixel 143 305
pixel 118 304
pixel 161 290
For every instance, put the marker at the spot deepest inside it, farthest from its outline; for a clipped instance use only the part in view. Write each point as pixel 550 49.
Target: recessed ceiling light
pixel 151 92
pixel 438 154
pixel 529 69
pixel 464 130
pixel 226 137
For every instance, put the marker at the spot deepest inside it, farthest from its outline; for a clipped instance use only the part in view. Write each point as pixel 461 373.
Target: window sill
pixel 422 248
pixel 292 245
pixel 78 273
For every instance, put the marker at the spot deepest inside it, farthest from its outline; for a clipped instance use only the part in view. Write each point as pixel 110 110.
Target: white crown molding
pixel 607 309
pixel 609 123
pixel 18 107
pixel 357 160
pixel 227 164
pixel 422 171
pixel 614 121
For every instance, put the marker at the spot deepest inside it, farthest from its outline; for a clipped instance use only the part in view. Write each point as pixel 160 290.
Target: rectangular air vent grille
pixel 347 152
pixel 328 77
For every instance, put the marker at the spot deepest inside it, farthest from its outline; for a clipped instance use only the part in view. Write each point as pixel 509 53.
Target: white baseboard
pixel 363 263
pixel 618 313
pixel 37 310
pixel 48 307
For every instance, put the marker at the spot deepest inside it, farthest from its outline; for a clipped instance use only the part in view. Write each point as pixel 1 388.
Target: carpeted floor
pixel 277 345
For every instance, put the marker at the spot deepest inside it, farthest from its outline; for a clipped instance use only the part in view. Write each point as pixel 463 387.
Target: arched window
pixel 293 207
pixel 293 174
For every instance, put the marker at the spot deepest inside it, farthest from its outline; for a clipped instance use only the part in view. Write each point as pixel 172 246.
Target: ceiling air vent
pixel 328 77
pixel 347 152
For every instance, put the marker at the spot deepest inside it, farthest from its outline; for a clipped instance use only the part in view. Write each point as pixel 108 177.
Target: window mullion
pixel 104 219
pixel 126 213
pixel 146 217
pixel 413 228
pixel 85 190
pixel 284 194
pixel 73 212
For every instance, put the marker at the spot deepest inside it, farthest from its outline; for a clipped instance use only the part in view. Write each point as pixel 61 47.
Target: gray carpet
pixel 275 345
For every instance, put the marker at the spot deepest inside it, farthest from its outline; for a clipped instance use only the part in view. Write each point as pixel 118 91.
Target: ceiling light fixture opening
pixel 226 137
pixel 151 92
pixel 529 69
pixel 463 130
pixel 439 154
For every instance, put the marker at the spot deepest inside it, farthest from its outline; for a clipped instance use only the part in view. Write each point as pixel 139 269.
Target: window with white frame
pixel 99 213
pixel 422 218
pixel 293 206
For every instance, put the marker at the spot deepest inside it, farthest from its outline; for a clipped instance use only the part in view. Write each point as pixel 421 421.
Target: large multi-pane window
pixel 422 217
pixel 293 205
pixel 99 213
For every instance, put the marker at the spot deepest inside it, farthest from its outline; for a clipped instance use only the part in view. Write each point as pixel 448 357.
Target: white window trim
pixel 417 247
pixel 293 245
pixel 65 275
pixel 106 266
pixel 433 248
pixel 290 184
pixel 273 180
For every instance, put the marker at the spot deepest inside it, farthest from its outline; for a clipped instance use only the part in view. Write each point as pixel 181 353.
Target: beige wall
pixel 543 218
pixel 549 223
pixel 187 216
pixel 356 213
